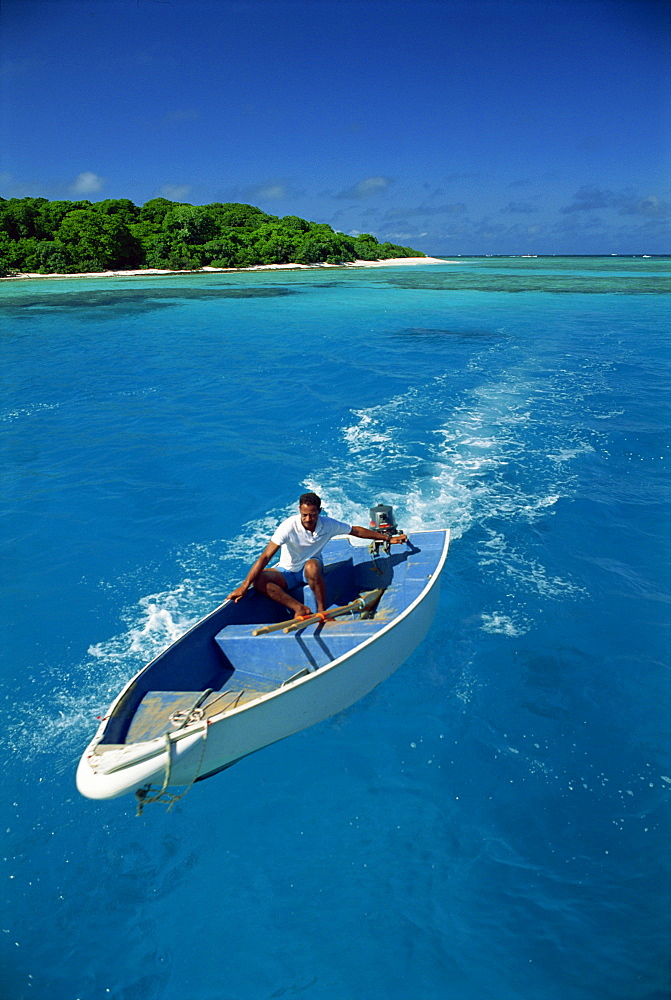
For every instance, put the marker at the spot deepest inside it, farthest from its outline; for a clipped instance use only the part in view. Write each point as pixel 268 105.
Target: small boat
pixel 247 675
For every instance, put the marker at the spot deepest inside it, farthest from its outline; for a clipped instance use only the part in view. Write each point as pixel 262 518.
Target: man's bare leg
pixel 315 579
pixel 273 585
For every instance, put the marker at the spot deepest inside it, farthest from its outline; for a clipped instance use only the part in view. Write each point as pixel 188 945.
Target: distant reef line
pixel 60 238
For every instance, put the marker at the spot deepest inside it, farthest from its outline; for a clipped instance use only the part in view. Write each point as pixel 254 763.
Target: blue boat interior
pixel 220 665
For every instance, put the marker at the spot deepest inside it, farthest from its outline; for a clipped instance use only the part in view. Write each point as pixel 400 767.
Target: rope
pixel 373 552
pixel 142 794
pixel 185 716
pixel 182 717
pixel 168 799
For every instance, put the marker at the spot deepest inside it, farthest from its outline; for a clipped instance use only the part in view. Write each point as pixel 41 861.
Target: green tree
pixel 7 254
pixel 275 244
pixel 155 211
pixel 193 225
pixel 97 242
pixel 169 251
pixel 233 215
pixel 52 214
pixel 222 252
pixel 21 255
pixel 51 257
pixel 145 233
pixel 294 223
pixel 366 247
pixel 121 207
pixel 18 216
pixel 390 250
pixel 318 247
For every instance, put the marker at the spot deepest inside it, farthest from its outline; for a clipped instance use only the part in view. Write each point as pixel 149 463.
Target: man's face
pixel 309 516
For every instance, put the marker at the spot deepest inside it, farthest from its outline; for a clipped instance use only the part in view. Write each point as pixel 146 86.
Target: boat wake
pixel 496 456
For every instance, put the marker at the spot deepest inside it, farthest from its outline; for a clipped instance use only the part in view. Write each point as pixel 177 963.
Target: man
pixel 302 537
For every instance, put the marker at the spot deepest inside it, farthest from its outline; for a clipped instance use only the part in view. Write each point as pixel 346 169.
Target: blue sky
pixel 484 126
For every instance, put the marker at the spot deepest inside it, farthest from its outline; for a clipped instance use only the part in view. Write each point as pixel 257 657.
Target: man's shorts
pixel 296 578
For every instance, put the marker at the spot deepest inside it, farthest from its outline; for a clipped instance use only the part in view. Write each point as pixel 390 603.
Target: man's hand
pixel 258 567
pixel 360 532
pixel 237 594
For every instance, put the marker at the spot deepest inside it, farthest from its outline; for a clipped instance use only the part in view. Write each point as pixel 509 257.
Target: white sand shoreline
pixel 153 271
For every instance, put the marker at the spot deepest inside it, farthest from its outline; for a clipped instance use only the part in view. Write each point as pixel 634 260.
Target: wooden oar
pixel 361 604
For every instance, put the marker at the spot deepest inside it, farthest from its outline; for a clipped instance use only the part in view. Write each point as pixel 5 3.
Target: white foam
pixel 27 411
pixel 567 454
pixel 160 621
pixel 478 458
pixel 65 717
pixel 498 556
pixel 467 684
pixel 365 434
pixel 502 624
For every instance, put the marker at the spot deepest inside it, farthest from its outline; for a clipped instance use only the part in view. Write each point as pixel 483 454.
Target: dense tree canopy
pixel 67 237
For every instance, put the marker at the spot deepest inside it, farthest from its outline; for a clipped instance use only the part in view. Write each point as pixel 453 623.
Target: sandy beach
pixel 393 262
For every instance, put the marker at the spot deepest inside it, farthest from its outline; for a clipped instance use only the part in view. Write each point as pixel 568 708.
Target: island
pixel 43 237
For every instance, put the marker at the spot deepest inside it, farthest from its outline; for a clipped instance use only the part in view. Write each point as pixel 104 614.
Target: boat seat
pixel 265 662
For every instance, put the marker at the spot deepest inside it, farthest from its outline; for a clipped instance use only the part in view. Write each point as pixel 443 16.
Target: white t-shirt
pixel 299 544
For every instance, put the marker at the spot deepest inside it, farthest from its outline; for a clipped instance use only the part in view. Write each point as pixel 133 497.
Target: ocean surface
pixel 491 823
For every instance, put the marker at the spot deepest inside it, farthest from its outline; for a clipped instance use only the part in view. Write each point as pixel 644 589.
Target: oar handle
pixel 278 626
pixel 321 616
pixel 324 616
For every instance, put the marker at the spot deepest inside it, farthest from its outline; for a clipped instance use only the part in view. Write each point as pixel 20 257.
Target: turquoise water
pixel 493 821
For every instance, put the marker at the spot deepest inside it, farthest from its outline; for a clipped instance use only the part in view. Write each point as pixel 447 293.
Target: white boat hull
pixel 203 748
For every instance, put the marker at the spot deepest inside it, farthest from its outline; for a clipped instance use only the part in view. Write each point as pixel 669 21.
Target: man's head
pixel 309 506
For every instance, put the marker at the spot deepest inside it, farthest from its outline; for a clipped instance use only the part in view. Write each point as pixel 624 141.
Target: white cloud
pixel 651 207
pixel 366 188
pixel 87 183
pixel 175 192
pixel 271 190
pixel 627 202
pixel 405 236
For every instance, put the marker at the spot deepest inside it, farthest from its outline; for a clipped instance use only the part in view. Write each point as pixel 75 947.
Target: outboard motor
pixel 382 519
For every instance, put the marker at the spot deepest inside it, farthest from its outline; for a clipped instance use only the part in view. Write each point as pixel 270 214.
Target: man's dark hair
pixel 310 500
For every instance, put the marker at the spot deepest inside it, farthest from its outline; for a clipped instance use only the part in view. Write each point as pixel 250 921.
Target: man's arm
pixel 258 567
pixel 377 536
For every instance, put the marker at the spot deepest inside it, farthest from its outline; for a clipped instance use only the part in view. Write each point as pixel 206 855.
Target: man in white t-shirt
pixel 302 538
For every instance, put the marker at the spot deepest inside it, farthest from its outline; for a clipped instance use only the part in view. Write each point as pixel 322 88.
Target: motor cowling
pixel 382 519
